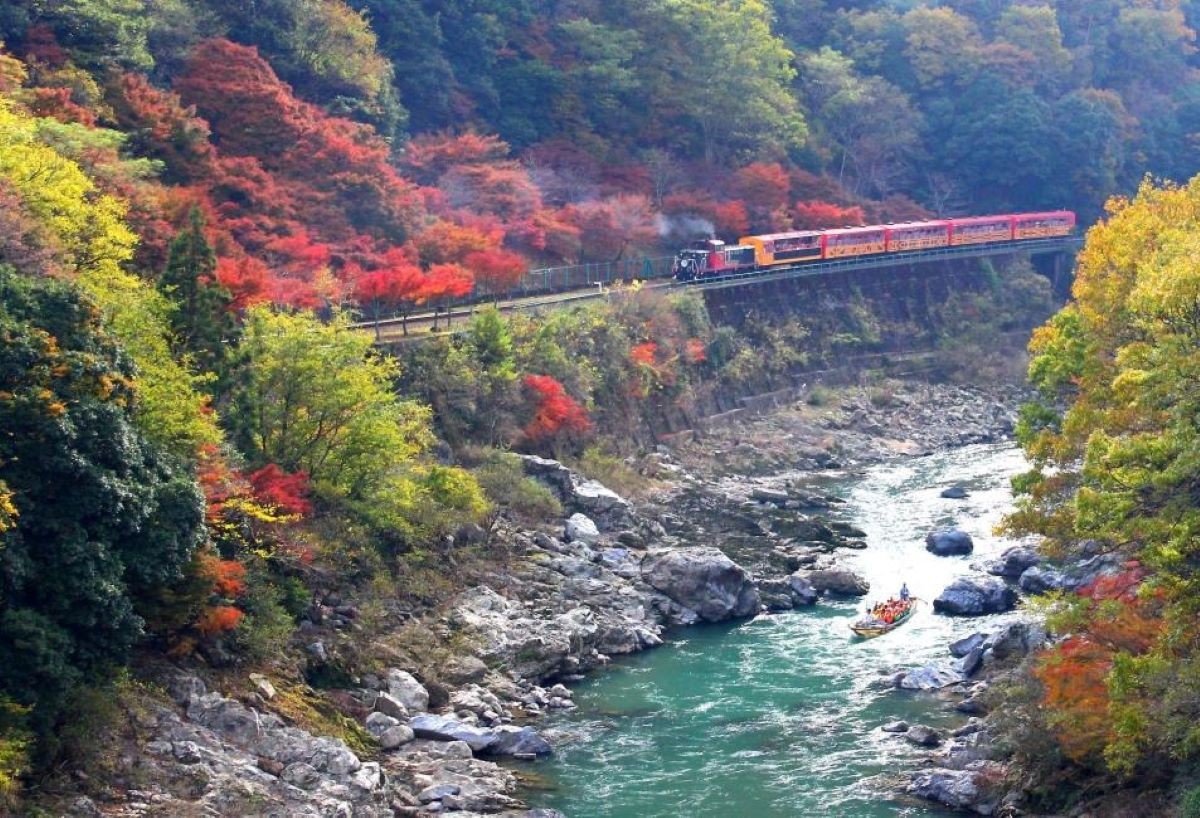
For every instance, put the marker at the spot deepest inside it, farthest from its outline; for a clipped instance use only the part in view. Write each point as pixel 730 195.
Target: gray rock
pixel 895 727
pixel 1016 639
pixel 968 665
pixel 703 580
pixel 577 493
pixel 470 534
pixel 404 687
pixel 462 670
pixel 969 789
pixel 968 596
pixel 949 542
pixel 581 527
pixel 765 495
pixel 1040 580
pixel 955 493
pixel 262 686
pixel 923 736
pixel 389 705
pixel 519 741
pixel 967 644
pixel 443 728
pixel 437 792
pixel 302 775
pixel 1014 562
pixel 396 736
pixel 379 723
pixel 931 677
pixel 838 581
pixel 802 591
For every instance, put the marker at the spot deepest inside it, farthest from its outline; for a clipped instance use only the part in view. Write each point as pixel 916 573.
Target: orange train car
pixel 784 248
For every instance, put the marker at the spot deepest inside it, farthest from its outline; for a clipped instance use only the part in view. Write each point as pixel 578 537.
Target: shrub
pixel 503 480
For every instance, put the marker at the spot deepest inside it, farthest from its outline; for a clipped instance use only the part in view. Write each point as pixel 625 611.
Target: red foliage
pixel 694 351
pixel 498 270
pixel 823 215
pixel 286 492
pixel 728 218
pixel 246 279
pixel 731 218
pixel 164 129
pixel 502 189
pixel 57 103
pixel 644 353
pixel 387 288
pixel 218 619
pixel 429 156
pixel 444 282
pixel 555 412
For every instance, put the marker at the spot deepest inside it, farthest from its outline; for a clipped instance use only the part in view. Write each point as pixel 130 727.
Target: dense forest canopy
pixel 195 195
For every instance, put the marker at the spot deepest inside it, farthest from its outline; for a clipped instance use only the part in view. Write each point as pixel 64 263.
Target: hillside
pixel 199 197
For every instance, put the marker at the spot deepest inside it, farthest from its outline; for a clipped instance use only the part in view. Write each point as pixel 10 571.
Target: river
pixel 779 716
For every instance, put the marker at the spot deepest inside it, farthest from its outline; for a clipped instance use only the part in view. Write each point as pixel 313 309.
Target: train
pixel 712 258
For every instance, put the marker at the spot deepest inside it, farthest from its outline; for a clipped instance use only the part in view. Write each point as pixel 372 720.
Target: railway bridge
pixel 563 286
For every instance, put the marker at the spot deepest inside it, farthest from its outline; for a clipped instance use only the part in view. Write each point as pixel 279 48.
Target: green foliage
pixel 503 480
pixel 77 563
pixel 15 740
pixel 201 318
pixel 315 397
pixel 1121 467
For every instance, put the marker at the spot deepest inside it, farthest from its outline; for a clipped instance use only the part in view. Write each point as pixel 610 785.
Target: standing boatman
pixel 904 591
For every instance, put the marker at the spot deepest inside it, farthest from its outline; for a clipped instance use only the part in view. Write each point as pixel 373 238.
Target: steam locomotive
pixel 711 258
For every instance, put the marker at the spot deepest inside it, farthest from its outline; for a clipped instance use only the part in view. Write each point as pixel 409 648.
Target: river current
pixel 780 715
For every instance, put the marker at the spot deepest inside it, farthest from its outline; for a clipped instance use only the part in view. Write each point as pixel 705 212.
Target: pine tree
pixel 202 322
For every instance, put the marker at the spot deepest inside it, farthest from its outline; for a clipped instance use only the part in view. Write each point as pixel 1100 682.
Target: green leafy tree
pixel 317 398
pixel 103 516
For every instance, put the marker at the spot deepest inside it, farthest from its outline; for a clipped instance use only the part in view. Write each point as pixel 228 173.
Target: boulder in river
pixel 958 789
pixel 444 728
pixel 962 647
pixel 968 596
pixel 1014 562
pixel 838 581
pixel 703 580
pixel 923 736
pixel 955 493
pixel 930 677
pixel 949 542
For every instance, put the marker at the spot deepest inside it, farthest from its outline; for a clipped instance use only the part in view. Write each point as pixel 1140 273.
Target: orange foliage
pixel 762 186
pixel 694 351
pixel 1074 679
pixel 218 619
pixel 823 215
pixel 445 241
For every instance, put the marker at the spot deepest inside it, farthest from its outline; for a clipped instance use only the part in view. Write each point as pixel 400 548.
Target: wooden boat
pixel 869 626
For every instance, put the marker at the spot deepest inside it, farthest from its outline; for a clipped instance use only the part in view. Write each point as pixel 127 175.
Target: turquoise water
pixel 779 716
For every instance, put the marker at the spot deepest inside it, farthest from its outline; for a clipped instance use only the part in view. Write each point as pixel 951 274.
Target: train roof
pixel 910 225
pixel 844 231
pixel 1047 214
pixel 792 234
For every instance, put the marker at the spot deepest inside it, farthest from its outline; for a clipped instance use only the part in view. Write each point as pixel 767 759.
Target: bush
pixel 819 396
pixel 504 481
pixel 611 470
pixel 1189 804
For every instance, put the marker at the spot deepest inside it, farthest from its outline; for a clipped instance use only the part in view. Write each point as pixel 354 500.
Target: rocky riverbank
pixel 737 524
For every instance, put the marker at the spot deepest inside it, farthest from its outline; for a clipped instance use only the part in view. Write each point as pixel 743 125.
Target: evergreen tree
pixel 201 321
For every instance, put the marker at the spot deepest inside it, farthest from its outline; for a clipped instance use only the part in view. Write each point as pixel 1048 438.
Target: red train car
pixel 910 236
pixel 854 241
pixel 980 230
pixel 1042 225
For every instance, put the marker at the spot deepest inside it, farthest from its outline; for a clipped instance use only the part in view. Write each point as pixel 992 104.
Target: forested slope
pixel 197 195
